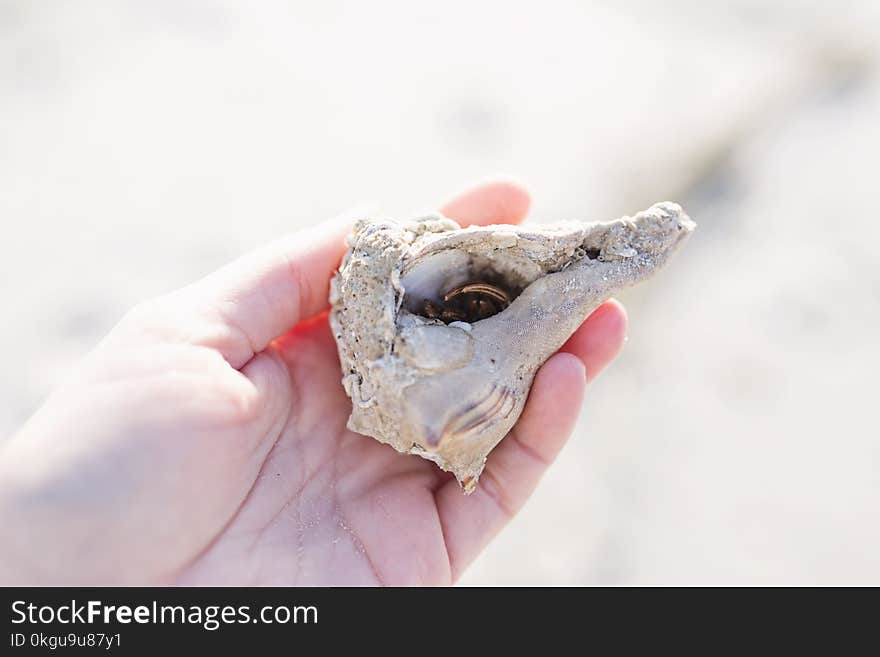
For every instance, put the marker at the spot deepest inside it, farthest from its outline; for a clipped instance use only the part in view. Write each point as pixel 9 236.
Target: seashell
pixel 441 329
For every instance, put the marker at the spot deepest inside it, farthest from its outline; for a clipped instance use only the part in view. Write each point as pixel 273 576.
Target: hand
pixel 204 442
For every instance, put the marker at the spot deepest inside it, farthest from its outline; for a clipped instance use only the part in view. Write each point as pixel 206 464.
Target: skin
pixel 203 442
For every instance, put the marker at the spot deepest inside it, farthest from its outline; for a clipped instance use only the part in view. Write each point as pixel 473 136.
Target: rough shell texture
pixel 450 392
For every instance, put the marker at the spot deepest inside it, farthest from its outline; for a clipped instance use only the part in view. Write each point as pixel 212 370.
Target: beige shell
pixel 450 392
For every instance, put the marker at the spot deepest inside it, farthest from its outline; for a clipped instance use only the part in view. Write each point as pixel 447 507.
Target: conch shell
pixel 441 329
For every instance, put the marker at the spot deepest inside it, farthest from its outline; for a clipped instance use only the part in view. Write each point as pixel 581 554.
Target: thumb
pixel 263 294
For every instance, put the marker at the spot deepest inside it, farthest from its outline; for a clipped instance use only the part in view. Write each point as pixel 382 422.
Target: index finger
pixel 495 202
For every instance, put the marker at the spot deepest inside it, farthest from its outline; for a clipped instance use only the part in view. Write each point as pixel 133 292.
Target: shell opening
pixel 456 289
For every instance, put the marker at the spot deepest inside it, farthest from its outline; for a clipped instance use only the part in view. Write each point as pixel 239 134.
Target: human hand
pixel 204 442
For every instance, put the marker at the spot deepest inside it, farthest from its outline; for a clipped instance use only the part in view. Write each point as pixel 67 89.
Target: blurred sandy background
pixel 735 441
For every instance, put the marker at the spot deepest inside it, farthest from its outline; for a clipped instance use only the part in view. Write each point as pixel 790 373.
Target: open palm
pixel 204 442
